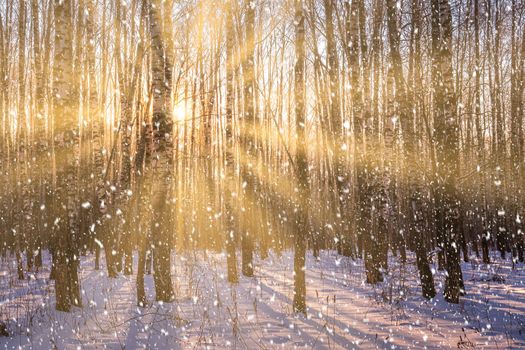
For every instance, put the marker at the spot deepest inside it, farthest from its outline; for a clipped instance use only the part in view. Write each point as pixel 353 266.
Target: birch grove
pixel 133 131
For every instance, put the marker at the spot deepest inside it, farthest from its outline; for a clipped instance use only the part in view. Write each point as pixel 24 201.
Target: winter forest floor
pixel 208 313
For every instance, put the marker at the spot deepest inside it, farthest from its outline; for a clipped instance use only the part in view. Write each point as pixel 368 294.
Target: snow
pixel 343 311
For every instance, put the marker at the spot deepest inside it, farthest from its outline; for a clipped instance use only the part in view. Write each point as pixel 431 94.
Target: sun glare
pixel 179 112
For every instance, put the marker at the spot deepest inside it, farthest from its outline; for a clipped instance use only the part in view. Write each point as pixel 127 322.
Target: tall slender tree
pixel 447 144
pixel 162 157
pixel 66 145
pixel 301 162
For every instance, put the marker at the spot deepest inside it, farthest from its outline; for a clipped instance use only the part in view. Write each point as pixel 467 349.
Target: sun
pixel 179 112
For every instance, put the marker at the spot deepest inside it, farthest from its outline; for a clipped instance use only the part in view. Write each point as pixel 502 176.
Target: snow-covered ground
pixel 343 313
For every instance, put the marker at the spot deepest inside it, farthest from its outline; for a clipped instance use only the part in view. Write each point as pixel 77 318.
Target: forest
pixel 260 174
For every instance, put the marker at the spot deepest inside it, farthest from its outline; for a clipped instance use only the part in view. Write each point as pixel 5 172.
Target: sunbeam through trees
pixel 323 174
